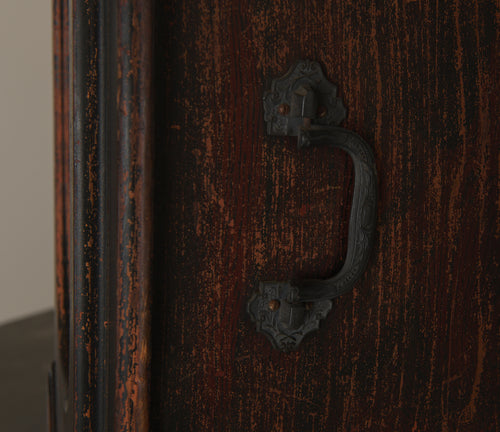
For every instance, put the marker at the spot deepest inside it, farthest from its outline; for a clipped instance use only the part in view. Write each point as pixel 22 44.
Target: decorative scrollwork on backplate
pixel 303 103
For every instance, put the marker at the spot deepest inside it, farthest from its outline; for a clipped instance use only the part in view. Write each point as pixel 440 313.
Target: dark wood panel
pixel 181 219
pixel 103 74
pixel 91 261
pixel 415 346
pixel 135 220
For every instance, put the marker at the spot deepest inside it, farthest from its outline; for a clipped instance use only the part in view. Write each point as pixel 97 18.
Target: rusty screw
pixel 321 111
pixel 274 305
pixel 308 305
pixel 284 109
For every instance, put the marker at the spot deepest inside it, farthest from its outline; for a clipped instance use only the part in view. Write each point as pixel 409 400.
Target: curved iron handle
pixel 286 311
pixel 361 220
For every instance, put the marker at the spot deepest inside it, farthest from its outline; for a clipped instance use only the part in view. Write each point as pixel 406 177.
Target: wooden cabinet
pixel 173 203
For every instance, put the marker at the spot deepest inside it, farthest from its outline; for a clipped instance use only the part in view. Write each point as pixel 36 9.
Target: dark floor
pixel 27 351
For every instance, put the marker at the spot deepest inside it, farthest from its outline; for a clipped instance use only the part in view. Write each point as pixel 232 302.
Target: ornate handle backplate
pixel 304 104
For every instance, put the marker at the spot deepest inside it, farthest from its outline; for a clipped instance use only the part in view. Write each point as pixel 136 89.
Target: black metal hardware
pixel 303 103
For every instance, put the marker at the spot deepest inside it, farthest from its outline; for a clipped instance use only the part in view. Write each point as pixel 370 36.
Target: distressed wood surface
pixel 135 220
pixel 91 270
pixel 103 70
pixel 164 230
pixel 415 346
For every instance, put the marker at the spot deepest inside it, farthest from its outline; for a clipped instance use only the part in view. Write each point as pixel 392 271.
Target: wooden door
pixel 173 203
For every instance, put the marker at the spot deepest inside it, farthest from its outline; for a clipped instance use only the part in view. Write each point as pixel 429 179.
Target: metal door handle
pixel 304 104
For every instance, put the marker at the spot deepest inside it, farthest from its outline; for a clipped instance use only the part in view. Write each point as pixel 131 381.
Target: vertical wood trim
pixel 59 376
pixel 61 96
pixel 110 179
pixel 91 227
pixel 135 214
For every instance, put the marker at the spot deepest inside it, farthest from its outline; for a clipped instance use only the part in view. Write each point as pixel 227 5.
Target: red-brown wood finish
pixel 61 95
pixel 135 219
pixel 185 204
pixel 62 200
pixel 103 78
pixel 416 344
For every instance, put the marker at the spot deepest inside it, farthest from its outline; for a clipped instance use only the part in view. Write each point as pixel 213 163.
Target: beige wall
pixel 26 159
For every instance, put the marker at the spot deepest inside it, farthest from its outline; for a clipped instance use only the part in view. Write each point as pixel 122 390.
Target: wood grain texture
pixel 135 223
pixel 91 223
pixel 103 156
pixel 416 344
pixel 60 374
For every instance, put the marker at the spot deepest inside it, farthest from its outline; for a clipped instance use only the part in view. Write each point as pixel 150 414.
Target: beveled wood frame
pixel 103 105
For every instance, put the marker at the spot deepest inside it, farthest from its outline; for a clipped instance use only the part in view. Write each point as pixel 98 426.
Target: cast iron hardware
pixel 304 104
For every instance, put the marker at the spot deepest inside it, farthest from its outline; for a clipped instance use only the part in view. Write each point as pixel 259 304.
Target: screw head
pixel 321 111
pixel 274 305
pixel 284 109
